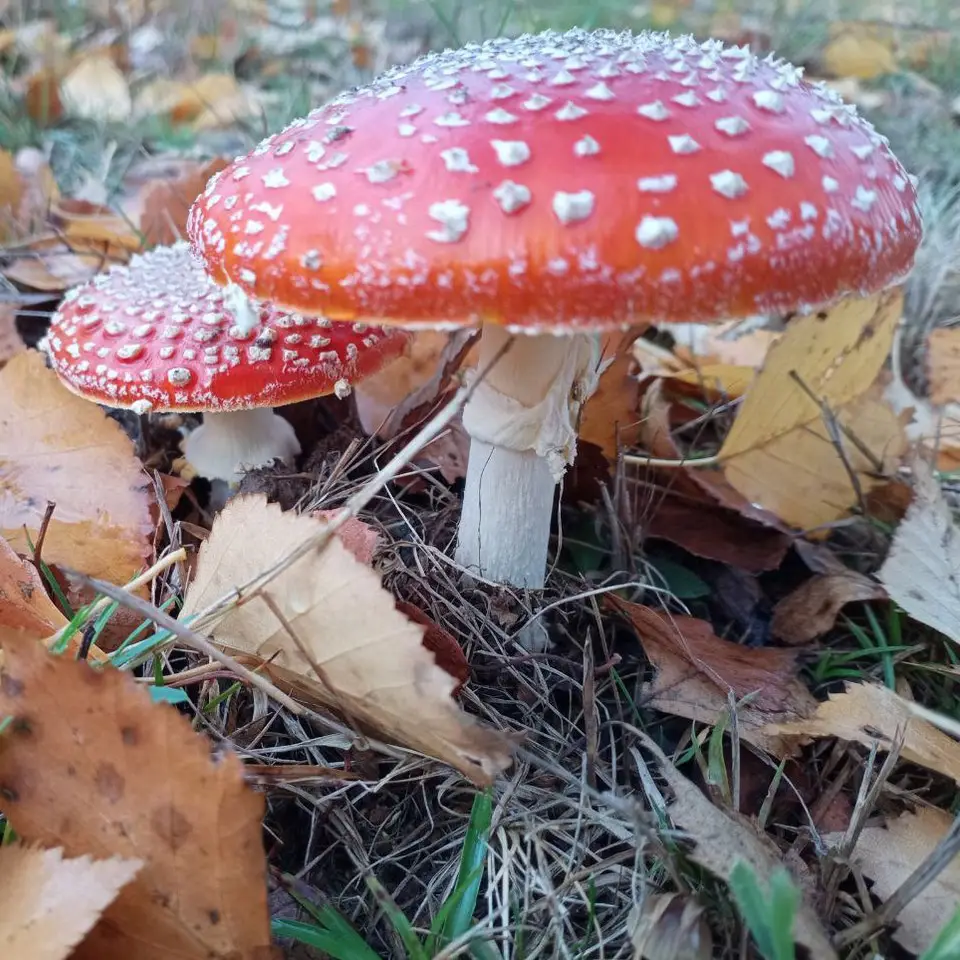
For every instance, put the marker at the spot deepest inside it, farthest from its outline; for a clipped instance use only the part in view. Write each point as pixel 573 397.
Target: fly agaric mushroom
pixel 158 335
pixel 557 186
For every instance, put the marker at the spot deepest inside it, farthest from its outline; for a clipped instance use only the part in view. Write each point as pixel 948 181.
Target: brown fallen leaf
pixel 440 642
pixel 943 365
pixel 870 713
pixel 780 453
pixel 696 670
pixel 358 537
pixel 42 97
pixel 857 51
pixel 10 342
pixel 373 664
pixel 48 903
pixel 888 855
pixel 83 223
pixel 812 609
pixel 181 101
pixel 144 784
pixel 722 838
pixel 922 569
pixel 11 193
pixel 56 446
pixel 52 266
pixel 96 90
pixel 24 604
pixel 669 926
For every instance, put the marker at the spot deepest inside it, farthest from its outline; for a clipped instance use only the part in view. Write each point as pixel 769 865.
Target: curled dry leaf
pixel 668 926
pixel 696 670
pixel 358 537
pixel 922 569
pixel 56 447
pixel 888 855
pixel 780 453
pixel 870 713
pixel 24 604
pixel 90 764
pixel 722 838
pixel 49 903
pixel 96 90
pixel 365 658
pixel 812 609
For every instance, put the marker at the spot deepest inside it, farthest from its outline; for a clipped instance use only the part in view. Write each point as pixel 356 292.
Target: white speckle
pixel 570 111
pixel 779 218
pixel 129 351
pixel 687 99
pixel 452 119
pixel 739 228
pixel 769 100
pixel 830 185
pixel 311 260
pixel 663 184
pixel 728 184
pixel 179 376
pixel 315 151
pixel 275 178
pixel 732 126
pixel 512 196
pixel 656 232
pixel 821 146
pixel 382 171
pixel 600 91
pixel 324 192
pixel 808 211
pixel 717 95
pixel 406 129
pixel 141 407
pixel 653 111
pixel 862 151
pixel 864 198
pixel 457 160
pixel 341 389
pixel 241 172
pixel 536 102
pixel 571 207
pixel 780 161
pixel 586 146
pixel 453 216
pixel 361 210
pixel 899 184
pixel 558 266
pixel 563 78
pixel 683 143
pixel 500 116
pixel 511 153
pixel 411 111
pixel 501 92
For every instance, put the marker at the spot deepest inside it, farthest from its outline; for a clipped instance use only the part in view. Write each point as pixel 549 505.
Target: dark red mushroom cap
pixel 157 335
pixel 566 181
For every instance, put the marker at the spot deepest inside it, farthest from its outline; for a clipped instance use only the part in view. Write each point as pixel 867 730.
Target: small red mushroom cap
pixel 566 181
pixel 157 335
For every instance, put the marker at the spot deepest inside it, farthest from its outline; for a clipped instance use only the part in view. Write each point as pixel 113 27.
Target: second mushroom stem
pixel 522 421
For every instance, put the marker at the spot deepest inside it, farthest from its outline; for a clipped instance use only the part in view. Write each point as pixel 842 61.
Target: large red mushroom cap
pixel 566 182
pixel 157 334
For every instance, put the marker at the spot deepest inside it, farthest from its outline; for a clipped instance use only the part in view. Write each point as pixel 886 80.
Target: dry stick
pixel 42 535
pixel 430 430
pixel 643 461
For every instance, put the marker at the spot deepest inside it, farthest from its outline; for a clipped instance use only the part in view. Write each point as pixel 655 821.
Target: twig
pixel 645 461
pixel 42 535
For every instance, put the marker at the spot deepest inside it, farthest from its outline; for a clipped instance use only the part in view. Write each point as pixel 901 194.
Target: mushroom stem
pixel 226 445
pixel 522 421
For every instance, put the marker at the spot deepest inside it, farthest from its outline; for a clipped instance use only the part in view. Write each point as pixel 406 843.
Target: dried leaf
pixel 83 224
pixel 11 192
pixel 722 838
pixel 888 856
pixel 42 97
pixel 870 713
pixel 143 785
pixel 51 266
pixel 668 926
pixel 56 446
pixel 10 342
pixel 943 365
pixel 441 643
pixel 373 662
pixel 96 90
pixel 610 418
pixel 779 452
pixel 812 609
pixel 922 569
pixel 48 903
pixel 696 670
pixel 857 53
pixel 358 537
pixel 24 604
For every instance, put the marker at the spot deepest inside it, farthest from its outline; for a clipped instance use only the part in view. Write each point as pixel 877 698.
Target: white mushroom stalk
pixel 227 445
pixel 522 420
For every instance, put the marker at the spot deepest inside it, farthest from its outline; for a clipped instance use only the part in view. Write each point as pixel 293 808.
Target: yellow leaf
pixel 871 713
pixel 96 90
pixel 48 903
pixel 943 365
pixel 11 190
pixel 371 658
pixel 779 452
pixel 888 855
pixel 719 378
pixel 57 446
pixel 856 54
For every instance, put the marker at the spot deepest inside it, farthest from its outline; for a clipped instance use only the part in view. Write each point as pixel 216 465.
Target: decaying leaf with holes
pixel 56 447
pixel 780 452
pixel 88 763
pixel 48 903
pixel 362 656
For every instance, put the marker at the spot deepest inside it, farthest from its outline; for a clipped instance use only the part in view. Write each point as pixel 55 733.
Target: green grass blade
pixel 334 944
pixel 398 919
pixel 770 921
pixel 946 946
